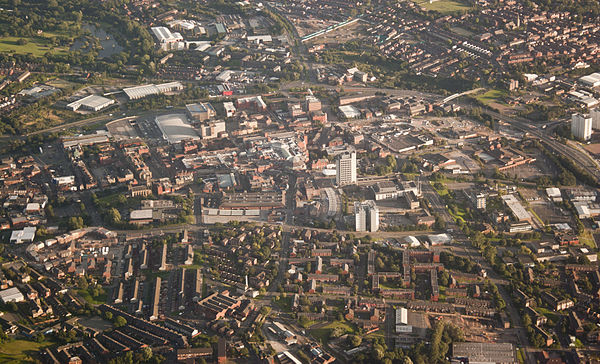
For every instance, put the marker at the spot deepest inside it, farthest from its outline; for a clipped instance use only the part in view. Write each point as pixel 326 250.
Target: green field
pixel 37 46
pixel 587 238
pixel 549 314
pixel 21 351
pixel 444 6
pixel 88 297
pixel 491 96
pixel 323 332
pixel 461 31
pixel 284 303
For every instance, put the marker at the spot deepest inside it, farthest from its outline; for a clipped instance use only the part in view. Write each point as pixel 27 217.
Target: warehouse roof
pixel 175 128
pixel 141 214
pixel 485 352
pixel 91 101
pixel 19 236
pixel 11 295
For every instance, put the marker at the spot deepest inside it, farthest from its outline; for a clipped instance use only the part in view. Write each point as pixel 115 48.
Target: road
pixel 88 121
pixel 463 247
pixel 579 156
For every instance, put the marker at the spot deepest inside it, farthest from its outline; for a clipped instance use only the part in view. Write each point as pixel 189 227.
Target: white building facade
pixel 581 126
pixel 366 216
pixel 345 169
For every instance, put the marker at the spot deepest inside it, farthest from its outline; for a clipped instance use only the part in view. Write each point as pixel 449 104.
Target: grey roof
pixel 499 353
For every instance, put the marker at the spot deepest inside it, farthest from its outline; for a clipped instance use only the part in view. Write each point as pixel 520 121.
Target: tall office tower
pixel 345 168
pixel 595 115
pixel 366 216
pixel 581 126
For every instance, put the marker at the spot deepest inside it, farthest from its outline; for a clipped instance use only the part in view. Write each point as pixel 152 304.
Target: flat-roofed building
pixel 251 102
pixel 385 190
pixel 349 112
pixel 166 39
pixel 592 80
pixel 581 126
pixel 484 353
pixel 312 103
pixel 138 92
pixel 175 128
pixel 11 295
pixel 23 236
pixel 253 200
pixel 200 111
pixel 554 194
pixel 345 169
pixel 141 217
pixel 91 102
pixel 229 109
pixel 366 216
pixel 212 129
pixel 595 115
pixel 517 209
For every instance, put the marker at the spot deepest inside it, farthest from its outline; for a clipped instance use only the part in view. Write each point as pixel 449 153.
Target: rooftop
pixel 175 128
pixel 485 352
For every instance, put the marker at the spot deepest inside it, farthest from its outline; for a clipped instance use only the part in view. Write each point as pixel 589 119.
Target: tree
pixel 50 211
pixel 377 352
pixel 303 321
pixel 75 222
pixel 113 216
pixel 82 283
pixel 379 263
pixel 440 223
pixel 337 332
pixel 146 354
pixel 354 340
pixel 567 178
pixel 120 321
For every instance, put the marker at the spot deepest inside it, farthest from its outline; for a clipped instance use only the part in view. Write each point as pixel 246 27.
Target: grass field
pixel 587 238
pixel 549 314
pixel 444 6
pixel 440 188
pixel 88 297
pixel 284 303
pixel 323 332
pixel 21 351
pixel 491 96
pixel 37 46
pixel 461 31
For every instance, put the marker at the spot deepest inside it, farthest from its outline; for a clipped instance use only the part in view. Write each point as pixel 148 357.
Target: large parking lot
pixel 122 129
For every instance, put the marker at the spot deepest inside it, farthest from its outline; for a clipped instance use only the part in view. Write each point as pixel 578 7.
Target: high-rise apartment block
pixel 366 215
pixel 345 169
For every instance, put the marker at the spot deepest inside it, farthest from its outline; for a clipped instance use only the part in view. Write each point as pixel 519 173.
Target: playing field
pixel 444 6
pixel 20 351
pixel 491 96
pixel 37 46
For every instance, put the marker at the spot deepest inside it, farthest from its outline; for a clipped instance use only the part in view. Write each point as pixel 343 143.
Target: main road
pixel 575 153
